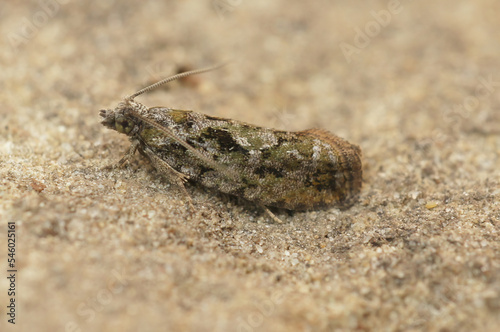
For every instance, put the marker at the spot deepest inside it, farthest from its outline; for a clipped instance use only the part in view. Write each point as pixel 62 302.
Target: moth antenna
pixel 175 77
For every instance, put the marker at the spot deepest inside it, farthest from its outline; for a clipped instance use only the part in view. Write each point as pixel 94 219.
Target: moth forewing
pixel 224 171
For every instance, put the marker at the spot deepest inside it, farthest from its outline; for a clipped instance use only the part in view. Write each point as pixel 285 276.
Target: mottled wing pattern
pixel 293 170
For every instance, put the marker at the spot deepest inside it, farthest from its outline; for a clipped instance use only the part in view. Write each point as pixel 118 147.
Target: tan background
pixel 118 250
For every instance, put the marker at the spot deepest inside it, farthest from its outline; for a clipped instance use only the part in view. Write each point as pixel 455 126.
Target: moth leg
pixel 272 215
pixel 169 173
pixel 128 154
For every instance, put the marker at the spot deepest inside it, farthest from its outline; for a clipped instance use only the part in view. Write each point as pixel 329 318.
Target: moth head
pixel 118 119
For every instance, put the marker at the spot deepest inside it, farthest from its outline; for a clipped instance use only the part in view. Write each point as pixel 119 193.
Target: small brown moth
pixel 300 170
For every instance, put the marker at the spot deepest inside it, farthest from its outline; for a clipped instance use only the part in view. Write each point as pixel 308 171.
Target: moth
pixel 302 170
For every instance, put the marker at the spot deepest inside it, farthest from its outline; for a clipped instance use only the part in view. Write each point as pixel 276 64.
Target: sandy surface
pixel 415 84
